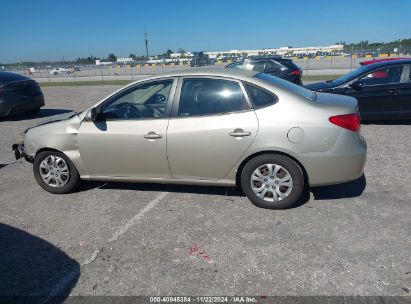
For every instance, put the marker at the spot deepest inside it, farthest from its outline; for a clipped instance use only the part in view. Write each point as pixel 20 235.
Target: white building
pixel 99 62
pixel 275 51
pixel 124 59
pixel 179 55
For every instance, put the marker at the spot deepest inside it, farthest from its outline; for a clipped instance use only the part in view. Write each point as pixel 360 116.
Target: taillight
pixel 296 72
pixel 350 122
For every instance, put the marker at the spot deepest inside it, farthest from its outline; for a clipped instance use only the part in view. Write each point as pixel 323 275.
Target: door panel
pixel 377 100
pixel 404 96
pixel 405 92
pixel 119 148
pixel 129 138
pixel 202 147
pixel 379 93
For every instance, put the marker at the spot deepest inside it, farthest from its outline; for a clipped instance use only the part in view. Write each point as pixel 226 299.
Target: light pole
pixel 146 40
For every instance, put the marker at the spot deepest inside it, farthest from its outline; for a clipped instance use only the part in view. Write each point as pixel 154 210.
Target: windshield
pixel 299 90
pixel 351 75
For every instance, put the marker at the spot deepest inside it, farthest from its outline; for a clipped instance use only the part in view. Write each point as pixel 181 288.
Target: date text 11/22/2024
pixel 203 299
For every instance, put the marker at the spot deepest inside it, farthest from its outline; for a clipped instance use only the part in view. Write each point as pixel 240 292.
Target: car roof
pixel 387 63
pixel 8 77
pixel 214 72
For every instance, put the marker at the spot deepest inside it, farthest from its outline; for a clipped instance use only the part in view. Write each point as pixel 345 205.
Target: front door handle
pixel 393 92
pixel 239 133
pixel 152 135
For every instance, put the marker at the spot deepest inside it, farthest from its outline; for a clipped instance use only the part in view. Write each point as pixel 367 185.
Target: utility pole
pixel 146 40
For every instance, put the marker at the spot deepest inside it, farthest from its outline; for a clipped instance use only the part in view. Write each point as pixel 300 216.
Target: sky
pixel 36 30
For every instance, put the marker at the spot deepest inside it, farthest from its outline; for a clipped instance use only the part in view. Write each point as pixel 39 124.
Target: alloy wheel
pixel 271 182
pixel 54 171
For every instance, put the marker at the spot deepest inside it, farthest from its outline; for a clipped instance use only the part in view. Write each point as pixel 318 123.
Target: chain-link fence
pixel 311 66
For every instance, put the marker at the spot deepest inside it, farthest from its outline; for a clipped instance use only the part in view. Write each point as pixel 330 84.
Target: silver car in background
pixel 223 127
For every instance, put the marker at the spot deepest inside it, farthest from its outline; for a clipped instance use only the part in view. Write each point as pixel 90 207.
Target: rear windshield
pixel 288 63
pixel 286 85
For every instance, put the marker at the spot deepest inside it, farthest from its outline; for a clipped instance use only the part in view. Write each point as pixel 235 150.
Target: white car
pixel 59 71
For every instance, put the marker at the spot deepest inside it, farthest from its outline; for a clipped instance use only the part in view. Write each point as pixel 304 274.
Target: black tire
pixel 293 169
pixel 73 180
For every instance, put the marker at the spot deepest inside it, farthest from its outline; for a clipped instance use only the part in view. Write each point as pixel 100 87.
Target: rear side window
pixel 205 96
pixel 289 64
pixel 386 75
pixel 257 66
pixel 272 66
pixel 260 97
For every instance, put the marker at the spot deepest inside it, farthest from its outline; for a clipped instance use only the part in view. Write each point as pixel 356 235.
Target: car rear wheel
pixel 55 172
pixel 272 181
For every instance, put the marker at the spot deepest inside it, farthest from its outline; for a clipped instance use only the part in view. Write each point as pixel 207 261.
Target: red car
pixel 367 62
pixel 379 74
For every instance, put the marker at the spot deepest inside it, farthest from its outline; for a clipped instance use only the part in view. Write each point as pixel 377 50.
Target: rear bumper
pixel 338 165
pixel 10 106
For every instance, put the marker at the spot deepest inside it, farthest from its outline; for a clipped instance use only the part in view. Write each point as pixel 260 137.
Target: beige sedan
pixel 223 127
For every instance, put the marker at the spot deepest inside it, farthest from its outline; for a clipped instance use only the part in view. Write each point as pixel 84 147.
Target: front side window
pixel 260 97
pixel 388 75
pixel 148 100
pixel 204 96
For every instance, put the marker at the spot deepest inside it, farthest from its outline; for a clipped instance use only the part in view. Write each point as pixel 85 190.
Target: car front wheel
pixel 55 172
pixel 272 181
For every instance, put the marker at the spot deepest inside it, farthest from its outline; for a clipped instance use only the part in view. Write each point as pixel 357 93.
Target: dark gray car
pixel 19 94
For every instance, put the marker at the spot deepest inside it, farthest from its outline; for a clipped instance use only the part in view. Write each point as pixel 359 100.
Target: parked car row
pixel 381 86
pixel 228 127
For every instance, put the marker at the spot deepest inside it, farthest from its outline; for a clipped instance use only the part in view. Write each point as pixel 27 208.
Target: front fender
pixel 60 136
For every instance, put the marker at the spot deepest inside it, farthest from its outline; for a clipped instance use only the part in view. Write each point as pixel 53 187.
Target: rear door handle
pixel 393 91
pixel 239 133
pixel 152 135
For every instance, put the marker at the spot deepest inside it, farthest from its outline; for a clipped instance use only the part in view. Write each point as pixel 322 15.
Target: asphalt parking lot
pixel 139 239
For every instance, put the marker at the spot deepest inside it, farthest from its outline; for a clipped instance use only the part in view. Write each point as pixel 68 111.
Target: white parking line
pixel 67 279
pixel 137 217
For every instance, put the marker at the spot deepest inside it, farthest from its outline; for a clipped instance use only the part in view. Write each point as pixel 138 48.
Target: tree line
pixel 402 46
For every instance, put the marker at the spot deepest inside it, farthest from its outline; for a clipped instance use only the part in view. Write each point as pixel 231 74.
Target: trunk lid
pixel 339 104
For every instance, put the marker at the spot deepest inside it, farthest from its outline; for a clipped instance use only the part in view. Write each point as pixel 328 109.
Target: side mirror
pixel 91 115
pixel 357 85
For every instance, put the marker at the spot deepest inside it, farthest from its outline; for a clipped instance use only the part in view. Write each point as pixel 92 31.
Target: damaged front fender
pixel 60 135
pixel 19 152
